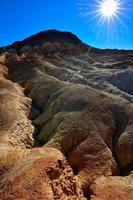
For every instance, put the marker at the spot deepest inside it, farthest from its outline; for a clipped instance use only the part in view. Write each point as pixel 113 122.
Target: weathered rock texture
pixel 44 174
pixel 65 106
pixel 112 188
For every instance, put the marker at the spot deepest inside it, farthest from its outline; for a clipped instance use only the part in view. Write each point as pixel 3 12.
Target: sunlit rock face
pixel 66 120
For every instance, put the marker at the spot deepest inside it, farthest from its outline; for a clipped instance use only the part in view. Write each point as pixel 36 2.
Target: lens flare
pixel 108 17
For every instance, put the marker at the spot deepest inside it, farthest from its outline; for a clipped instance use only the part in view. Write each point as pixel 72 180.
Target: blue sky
pixel 22 18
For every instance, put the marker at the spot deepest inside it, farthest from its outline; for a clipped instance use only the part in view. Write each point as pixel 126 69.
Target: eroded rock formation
pixel 66 120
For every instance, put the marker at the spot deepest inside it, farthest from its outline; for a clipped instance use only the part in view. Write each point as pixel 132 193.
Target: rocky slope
pixel 66 120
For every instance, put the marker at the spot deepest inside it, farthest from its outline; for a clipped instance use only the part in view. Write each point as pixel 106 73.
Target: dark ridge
pixel 47 36
pixel 60 37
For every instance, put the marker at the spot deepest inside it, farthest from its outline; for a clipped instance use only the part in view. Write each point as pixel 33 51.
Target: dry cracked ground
pixel 66 120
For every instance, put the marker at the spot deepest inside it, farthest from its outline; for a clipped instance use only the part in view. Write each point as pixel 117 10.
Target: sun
pixel 109 8
pixel 107 15
pixel 106 18
pixel 105 10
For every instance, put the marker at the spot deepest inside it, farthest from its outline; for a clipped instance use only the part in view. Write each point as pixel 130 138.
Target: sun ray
pixel 120 21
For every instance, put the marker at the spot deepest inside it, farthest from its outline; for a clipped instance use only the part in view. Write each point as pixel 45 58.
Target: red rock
pixel 44 174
